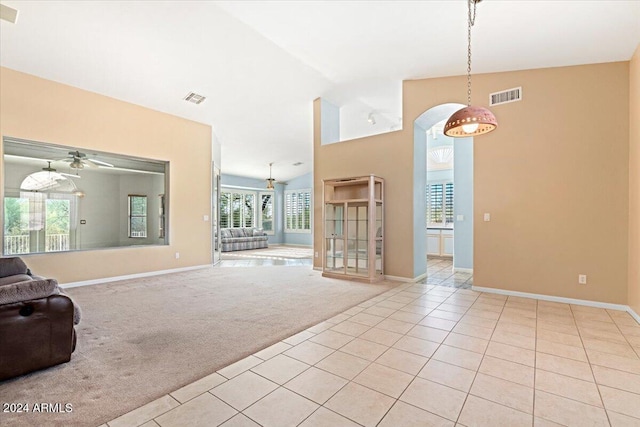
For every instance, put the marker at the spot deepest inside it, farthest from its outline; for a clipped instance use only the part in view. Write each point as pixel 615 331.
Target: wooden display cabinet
pixel 353 228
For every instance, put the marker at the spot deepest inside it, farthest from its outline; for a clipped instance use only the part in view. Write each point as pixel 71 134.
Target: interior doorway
pixel 216 246
pixel 444 176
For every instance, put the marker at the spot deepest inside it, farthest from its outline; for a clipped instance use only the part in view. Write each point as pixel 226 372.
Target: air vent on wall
pixel 505 96
pixel 194 98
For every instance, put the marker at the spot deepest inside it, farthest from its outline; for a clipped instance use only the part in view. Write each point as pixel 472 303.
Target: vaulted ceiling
pixel 261 63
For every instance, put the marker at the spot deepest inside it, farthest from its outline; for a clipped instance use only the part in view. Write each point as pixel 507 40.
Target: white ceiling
pixel 261 63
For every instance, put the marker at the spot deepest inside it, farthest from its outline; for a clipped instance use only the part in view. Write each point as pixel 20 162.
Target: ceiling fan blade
pixel 70 175
pixel 88 163
pixel 100 162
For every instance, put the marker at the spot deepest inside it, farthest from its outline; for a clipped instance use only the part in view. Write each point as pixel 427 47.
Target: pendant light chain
pixel 471 120
pixel 471 21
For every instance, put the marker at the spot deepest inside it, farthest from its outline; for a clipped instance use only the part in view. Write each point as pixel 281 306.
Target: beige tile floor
pixel 440 272
pixel 427 355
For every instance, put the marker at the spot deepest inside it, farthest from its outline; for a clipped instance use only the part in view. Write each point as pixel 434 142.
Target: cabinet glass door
pixel 379 239
pixel 334 238
pixel 357 239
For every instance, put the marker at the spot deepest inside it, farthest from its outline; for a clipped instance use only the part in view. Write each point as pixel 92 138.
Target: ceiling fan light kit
pixel 470 120
pixel 270 180
pixel 78 160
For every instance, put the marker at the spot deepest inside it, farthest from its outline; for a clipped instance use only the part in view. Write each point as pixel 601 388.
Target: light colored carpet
pixel 140 339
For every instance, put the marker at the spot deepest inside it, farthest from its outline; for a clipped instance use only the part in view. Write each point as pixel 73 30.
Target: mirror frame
pixel 133 164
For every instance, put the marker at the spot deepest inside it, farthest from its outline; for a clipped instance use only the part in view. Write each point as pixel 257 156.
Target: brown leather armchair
pixel 36 321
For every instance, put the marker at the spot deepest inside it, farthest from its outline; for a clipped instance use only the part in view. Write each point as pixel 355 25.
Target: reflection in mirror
pixel 59 198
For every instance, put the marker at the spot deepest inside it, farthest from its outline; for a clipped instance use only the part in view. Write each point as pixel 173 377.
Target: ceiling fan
pixel 50 169
pixel 271 181
pixel 78 160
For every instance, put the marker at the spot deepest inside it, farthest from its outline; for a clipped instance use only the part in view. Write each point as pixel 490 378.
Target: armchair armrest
pixel 35 334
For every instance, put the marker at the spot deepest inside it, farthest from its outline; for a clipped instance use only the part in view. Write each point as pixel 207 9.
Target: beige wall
pixel 41 110
pixel 542 175
pixel 555 179
pixel 634 182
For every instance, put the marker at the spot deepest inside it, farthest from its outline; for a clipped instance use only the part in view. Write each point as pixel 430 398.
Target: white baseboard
pixel 633 314
pixel 551 298
pixel 462 270
pixel 130 276
pixel 292 245
pixel 406 279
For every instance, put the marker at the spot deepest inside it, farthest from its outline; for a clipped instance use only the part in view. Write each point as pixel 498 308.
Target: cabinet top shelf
pixel 360 189
pixel 342 201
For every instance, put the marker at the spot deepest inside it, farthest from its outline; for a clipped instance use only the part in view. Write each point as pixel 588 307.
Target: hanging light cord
pixel 471 21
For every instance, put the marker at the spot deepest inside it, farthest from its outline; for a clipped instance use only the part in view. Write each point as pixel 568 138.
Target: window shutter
pixel 449 202
pixel 436 203
pixel 237 210
pixel 297 207
pixel 288 211
pixel 224 209
pixel 307 211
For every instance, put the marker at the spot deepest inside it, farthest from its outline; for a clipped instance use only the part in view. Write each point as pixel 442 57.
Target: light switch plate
pixel 460 218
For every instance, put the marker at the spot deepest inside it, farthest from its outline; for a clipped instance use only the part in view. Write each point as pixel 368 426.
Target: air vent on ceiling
pixel 194 98
pixel 8 14
pixel 505 96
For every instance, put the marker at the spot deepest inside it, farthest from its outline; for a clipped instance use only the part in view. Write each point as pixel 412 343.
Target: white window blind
pixel 439 204
pixel 237 208
pixel 297 211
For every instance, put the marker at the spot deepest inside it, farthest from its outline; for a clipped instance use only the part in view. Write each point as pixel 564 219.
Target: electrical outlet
pixel 487 217
pixel 582 279
pixel 316 254
pixel 177 255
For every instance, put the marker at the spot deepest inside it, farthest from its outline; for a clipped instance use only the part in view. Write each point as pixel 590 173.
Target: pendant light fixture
pixel 470 120
pixel 270 180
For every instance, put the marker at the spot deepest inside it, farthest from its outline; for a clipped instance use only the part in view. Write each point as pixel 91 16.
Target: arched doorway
pixel 443 200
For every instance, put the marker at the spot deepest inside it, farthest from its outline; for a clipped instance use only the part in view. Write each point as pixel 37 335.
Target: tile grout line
pixel 479 365
pixel 595 381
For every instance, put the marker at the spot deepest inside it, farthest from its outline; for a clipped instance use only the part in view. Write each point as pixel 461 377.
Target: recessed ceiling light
pixel 194 98
pixel 297 163
pixel 8 14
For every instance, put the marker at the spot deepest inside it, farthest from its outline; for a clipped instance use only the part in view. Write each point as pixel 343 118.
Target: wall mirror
pixel 58 198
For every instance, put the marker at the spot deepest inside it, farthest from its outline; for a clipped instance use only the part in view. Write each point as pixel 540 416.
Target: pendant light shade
pixel 470 121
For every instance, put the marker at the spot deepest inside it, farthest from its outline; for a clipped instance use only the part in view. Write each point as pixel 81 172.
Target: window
pixel 439 204
pixel 225 202
pixel 57 225
pixel 237 208
pixel 266 212
pixel 137 216
pixel 162 218
pixel 297 211
pixel 37 222
pixel 16 226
